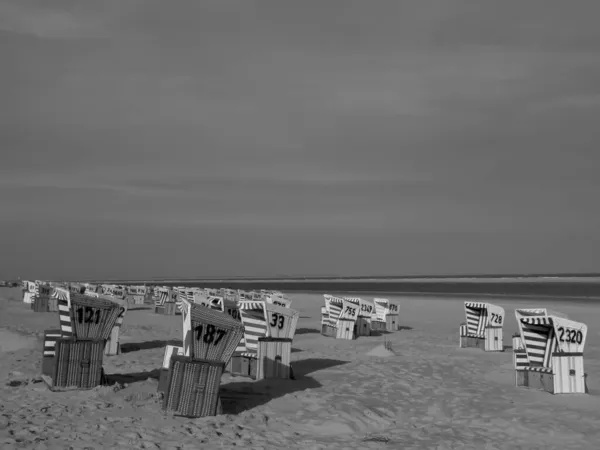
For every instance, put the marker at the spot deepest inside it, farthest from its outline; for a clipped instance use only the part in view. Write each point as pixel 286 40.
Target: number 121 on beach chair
pixel 483 328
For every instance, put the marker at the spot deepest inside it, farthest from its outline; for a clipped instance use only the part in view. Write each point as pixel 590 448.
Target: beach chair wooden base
pixel 52 305
pixel 40 305
pixel 378 325
pixel 168 309
pixel 391 323
pixel 363 327
pixel 76 365
pixel 329 331
pixel 493 339
pixel 274 356
pixel 566 375
pixel 472 342
pixel 163 379
pixel 193 387
pixel 346 329
pixel 243 365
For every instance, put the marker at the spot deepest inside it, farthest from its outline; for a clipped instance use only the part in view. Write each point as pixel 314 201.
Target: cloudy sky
pixel 144 138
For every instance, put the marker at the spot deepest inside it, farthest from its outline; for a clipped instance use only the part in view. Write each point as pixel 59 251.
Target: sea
pixel 585 287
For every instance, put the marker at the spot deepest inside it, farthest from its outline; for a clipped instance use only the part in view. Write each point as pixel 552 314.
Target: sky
pixel 144 138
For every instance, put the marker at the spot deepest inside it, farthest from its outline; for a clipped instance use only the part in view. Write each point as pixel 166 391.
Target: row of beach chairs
pixel 251 338
pixel 547 350
pixel 352 317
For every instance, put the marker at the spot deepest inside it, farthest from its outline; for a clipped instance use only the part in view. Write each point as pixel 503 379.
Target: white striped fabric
pixel 539 369
pixel 334 307
pixel 545 321
pixel 477 318
pixel 476 305
pixel 381 307
pixel 521 361
pixel 539 340
pixel 162 297
pixel 50 343
pixel 255 324
pixel 61 294
pixel 64 315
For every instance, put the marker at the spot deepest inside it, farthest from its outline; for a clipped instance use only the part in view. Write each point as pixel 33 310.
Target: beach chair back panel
pixel 476 315
pixel 92 318
pixel 279 301
pixel 215 335
pixel 281 321
pixel 123 307
pixel 324 316
pixel 255 323
pixel 539 340
pixel 570 335
pixel 495 316
pixel 365 307
pixel 230 307
pixel 76 288
pixel 349 310
pixel 89 288
pixel 393 309
pixel 381 309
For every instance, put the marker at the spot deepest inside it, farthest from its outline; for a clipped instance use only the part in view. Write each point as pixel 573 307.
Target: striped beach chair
pixel 342 315
pixel 551 358
pixel 483 328
pixel 365 312
pixel 268 334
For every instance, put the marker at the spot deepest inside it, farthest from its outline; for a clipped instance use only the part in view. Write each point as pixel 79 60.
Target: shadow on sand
pixel 241 396
pixel 307 331
pixel 129 378
pixel 128 347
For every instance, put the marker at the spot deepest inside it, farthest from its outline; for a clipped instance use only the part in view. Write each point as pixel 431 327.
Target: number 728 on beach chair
pixel 483 328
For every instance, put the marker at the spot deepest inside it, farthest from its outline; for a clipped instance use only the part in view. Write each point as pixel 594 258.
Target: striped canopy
pixel 544 335
pixel 255 323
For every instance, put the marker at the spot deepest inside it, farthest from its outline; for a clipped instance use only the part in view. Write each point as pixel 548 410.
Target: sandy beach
pixel 429 394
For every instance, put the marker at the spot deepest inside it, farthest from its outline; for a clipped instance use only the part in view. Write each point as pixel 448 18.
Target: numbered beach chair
pixel 365 312
pixel 342 316
pixel 73 355
pixel 194 371
pixel 551 357
pixel 346 323
pixel 483 328
pixel 392 317
pixel 379 317
pixel 268 335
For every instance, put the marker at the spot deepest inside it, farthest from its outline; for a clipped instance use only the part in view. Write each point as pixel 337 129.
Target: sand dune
pixel 425 394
